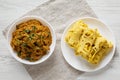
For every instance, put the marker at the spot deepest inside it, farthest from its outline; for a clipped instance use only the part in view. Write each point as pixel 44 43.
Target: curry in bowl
pixel 31 40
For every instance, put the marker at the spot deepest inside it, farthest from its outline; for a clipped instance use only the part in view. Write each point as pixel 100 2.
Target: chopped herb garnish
pixel 34 28
pixel 36 44
pixel 41 37
pixel 31 36
pixel 24 44
pixel 27 31
pixel 29 52
pixel 19 53
pixel 28 58
pixel 48 34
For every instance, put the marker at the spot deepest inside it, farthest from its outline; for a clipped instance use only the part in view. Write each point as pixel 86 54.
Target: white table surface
pixel 107 10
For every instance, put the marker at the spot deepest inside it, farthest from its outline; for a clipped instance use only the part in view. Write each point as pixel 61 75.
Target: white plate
pixel 79 63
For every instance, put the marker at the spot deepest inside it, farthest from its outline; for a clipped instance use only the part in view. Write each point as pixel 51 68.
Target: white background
pixel 107 10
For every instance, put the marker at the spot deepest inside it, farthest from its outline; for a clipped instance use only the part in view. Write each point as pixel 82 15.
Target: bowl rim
pixel 43 21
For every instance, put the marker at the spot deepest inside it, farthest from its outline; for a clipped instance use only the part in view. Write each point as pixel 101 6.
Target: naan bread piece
pixel 78 24
pixel 74 33
pixel 101 48
pixel 87 42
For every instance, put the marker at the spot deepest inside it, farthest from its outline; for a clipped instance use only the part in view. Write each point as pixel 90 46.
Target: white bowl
pixel 13 28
